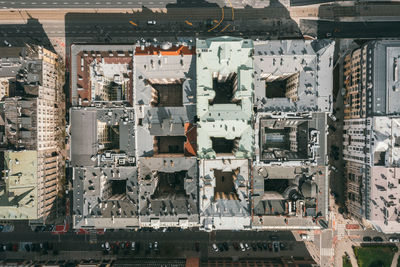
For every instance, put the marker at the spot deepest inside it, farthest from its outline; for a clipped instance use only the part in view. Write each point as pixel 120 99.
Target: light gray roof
pixel 93 206
pixel 171 210
pixel 386 89
pixel 313 60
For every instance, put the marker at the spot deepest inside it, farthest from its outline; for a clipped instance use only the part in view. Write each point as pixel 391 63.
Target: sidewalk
pixel 395 259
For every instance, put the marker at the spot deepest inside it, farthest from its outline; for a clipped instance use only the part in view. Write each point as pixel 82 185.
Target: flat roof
pixel 18 199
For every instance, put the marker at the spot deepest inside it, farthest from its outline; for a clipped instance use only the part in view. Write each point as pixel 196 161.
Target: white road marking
pixel 44 3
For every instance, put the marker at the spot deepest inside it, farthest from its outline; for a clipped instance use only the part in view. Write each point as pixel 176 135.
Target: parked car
pixel 242 248
pixel 156 246
pixel 1 227
pixel 270 246
pixel 333 168
pixel 274 237
pixel 107 246
pixel 332 117
pixel 236 246
pixel 378 239
pixel 332 128
pixel 225 245
pixel 247 246
pixel 305 237
pixel 133 246
pixel 220 247
pixel 265 245
pixel 254 246
pixel 151 22
pixel 276 246
pixel 260 246
pixel 282 246
pixel 215 248
pixel 393 239
pixel 367 239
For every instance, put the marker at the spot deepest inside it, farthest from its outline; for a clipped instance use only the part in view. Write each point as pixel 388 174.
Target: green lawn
pixel 374 256
pixel 346 262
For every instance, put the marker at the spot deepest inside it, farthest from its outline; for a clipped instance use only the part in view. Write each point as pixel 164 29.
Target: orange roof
pixel 191 140
pixel 173 51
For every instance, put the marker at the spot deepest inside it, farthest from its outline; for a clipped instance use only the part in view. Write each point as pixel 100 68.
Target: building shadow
pixel 181 19
pixel 331 23
pixel 32 33
pixel 191 3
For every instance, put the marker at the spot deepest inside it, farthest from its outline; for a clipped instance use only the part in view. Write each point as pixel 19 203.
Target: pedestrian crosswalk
pixel 326 252
pixel 341 231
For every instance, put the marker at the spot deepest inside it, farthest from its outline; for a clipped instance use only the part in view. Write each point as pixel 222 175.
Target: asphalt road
pixel 59 4
pixel 189 236
pixel 177 243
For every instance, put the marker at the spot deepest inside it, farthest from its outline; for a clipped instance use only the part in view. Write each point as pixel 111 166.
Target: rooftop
pixel 166 101
pixel 105 197
pixel 102 136
pixel 101 73
pixel 224 69
pixel 384 198
pixel 18 186
pixel 168 192
pixel 385 149
pixel 224 194
pixel 386 83
pixel 293 75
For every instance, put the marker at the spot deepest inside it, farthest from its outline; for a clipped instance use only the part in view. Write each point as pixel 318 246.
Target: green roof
pixel 225 57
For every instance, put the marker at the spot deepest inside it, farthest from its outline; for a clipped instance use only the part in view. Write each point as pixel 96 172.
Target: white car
pixel 215 248
pixel 242 248
pixel 332 117
pixel 133 245
pixel 155 245
pixel 247 246
pixel 393 240
pixel 151 22
pixel 107 246
pixel 305 237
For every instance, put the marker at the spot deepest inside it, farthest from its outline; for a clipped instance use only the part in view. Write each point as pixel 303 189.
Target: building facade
pixel 370 133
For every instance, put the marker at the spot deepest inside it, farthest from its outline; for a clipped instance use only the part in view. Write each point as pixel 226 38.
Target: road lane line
pixel 233 13
pixel 222 18
pixel 226 27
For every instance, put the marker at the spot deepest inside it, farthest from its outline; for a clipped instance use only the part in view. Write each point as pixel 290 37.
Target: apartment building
pixel 33 116
pixel 370 133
